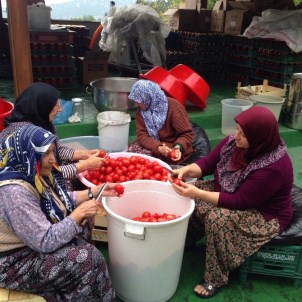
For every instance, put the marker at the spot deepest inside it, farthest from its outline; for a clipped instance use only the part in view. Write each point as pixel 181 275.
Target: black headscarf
pixel 34 105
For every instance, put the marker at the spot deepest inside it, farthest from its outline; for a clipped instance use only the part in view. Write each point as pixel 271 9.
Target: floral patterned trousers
pixel 232 235
pixel 76 272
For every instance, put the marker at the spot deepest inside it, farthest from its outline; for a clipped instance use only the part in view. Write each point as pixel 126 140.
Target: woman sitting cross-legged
pixel 249 201
pixel 45 231
pixel 163 129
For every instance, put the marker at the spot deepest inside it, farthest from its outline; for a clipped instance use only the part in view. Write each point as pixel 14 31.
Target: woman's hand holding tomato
pixel 186 190
pixel 164 150
pixel 175 154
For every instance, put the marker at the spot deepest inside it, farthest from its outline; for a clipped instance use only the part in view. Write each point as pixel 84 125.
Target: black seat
pixel 293 233
pixel 201 144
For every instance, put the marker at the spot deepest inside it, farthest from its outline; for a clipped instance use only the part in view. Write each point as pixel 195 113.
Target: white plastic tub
pixel 230 108
pixel 145 258
pixel 123 154
pixel 273 103
pixel 39 17
pixel 113 128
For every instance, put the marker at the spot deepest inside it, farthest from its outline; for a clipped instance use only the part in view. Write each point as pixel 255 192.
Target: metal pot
pixel 292 111
pixel 112 93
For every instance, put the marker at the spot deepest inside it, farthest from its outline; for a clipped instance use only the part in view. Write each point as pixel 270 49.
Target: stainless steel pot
pixel 292 115
pixel 112 93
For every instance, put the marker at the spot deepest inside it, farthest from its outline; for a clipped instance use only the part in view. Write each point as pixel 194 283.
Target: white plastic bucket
pixel 38 17
pixel 273 103
pixel 113 127
pixel 145 258
pixel 230 108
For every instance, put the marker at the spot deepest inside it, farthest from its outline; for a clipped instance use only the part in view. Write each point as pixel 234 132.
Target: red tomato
pixel 171 216
pixel 126 162
pixel 158 169
pixel 146 214
pixel 108 170
pixel 172 154
pixel 161 219
pixel 102 153
pixel 133 160
pixel 176 181
pixel 141 160
pixel 122 178
pixel 115 177
pixel 119 189
pixel 136 218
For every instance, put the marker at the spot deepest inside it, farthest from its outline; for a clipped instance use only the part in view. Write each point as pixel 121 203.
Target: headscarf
pixel 34 105
pixel 20 158
pixel 261 129
pixel 155 101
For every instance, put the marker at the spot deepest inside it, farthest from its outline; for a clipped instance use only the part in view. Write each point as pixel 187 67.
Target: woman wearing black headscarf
pixel 249 201
pixel 38 104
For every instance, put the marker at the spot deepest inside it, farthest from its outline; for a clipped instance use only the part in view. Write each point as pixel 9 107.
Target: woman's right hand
pixel 86 209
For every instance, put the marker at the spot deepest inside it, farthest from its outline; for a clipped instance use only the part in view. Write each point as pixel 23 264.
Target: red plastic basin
pixel 5 110
pixel 168 83
pixel 198 89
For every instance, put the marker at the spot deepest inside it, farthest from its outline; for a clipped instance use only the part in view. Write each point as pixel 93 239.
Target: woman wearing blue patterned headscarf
pixel 44 228
pixel 162 124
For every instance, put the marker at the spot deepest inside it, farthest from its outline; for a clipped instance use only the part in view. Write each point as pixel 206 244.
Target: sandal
pixel 212 290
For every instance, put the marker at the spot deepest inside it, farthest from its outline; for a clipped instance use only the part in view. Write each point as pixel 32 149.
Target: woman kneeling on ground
pixel 249 201
pixel 44 246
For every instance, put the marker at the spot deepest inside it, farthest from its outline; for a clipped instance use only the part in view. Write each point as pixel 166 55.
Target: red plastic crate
pixel 63 37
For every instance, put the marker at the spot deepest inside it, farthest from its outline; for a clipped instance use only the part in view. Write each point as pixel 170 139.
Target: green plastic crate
pixel 275 260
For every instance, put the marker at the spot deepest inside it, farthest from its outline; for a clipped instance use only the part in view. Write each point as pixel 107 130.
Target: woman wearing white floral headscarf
pixel 162 124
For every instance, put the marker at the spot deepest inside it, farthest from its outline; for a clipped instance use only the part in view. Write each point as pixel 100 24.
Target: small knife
pixel 103 187
pixel 173 174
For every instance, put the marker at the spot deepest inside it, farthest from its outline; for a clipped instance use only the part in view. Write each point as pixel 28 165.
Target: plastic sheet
pixel 201 144
pixel 137 26
pixel 62 117
pixel 293 233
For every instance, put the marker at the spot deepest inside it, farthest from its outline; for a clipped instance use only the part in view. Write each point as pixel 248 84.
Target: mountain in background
pixel 81 8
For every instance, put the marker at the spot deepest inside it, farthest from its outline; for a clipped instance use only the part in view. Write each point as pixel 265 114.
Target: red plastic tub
pixel 168 83
pixel 5 110
pixel 198 89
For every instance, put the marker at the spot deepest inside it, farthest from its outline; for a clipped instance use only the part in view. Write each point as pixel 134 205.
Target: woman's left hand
pixel 185 189
pixel 94 152
pixel 109 190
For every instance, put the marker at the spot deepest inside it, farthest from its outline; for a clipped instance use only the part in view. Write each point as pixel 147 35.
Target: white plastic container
pixel 145 258
pixel 112 155
pixel 230 108
pixel 38 17
pixel 273 103
pixel 113 127
pixel 81 142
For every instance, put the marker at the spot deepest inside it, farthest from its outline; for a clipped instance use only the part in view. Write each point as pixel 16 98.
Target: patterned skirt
pixel 231 235
pixel 75 272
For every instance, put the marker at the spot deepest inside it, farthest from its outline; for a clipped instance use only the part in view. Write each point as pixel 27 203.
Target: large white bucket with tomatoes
pixel 145 258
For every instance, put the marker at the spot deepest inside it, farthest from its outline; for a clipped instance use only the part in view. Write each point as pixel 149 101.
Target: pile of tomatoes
pixel 148 217
pixel 122 169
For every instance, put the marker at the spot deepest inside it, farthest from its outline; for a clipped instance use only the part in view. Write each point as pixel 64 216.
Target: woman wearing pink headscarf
pixel 249 201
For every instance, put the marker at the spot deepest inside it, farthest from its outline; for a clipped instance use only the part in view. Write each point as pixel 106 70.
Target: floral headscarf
pixel 155 101
pixel 20 158
pixel 261 129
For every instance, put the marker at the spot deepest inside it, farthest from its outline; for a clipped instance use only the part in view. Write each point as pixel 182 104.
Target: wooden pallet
pixel 17 296
pixel 264 89
pixel 99 232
